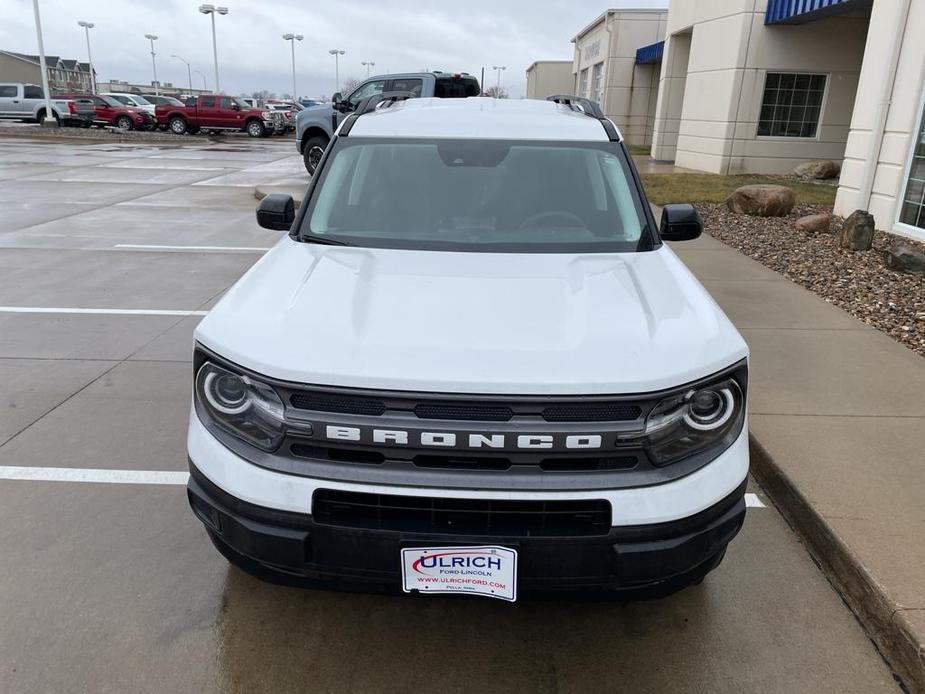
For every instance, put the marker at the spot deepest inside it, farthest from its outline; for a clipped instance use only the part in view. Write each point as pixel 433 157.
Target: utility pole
pixel 87 26
pixel 336 52
pixel 50 119
pixel 189 74
pixel 499 68
pixel 368 64
pixel 292 38
pixel 212 10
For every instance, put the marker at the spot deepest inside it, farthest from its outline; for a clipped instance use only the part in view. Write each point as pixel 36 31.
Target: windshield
pixel 123 100
pixel 241 102
pixel 141 101
pixel 477 195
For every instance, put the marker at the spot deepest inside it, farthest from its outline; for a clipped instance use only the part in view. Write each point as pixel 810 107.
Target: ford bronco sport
pixel 472 366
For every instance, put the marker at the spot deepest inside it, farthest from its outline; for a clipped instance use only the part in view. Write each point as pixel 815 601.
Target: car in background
pixel 111 111
pixel 156 99
pixel 21 101
pixel 316 125
pixel 289 111
pixel 305 103
pixel 135 100
pixel 219 112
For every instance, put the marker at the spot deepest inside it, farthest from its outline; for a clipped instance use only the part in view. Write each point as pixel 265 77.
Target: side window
pixel 408 85
pixel 365 90
pixel 98 101
pixel 225 103
pixel 32 92
pixel 8 91
pixel 207 101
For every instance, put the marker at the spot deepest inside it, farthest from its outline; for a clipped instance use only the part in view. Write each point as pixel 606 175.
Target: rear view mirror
pixel 276 212
pixel 680 222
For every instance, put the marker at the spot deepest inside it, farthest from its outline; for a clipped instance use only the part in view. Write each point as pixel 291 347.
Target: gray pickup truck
pixel 316 124
pixel 20 101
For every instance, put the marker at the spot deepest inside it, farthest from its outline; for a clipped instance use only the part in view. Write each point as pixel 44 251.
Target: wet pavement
pixel 108 255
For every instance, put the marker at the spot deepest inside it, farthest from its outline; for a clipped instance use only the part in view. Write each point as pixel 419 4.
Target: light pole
pixel 212 10
pixel 205 87
pixel 368 64
pixel 87 26
pixel 189 75
pixel 292 38
pixel 499 68
pixel 336 52
pixel 49 119
pixel 152 38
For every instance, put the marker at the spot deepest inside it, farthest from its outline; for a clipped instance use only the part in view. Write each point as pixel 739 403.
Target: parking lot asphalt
pixel 109 254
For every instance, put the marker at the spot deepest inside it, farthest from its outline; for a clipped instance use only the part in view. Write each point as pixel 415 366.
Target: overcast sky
pixel 399 35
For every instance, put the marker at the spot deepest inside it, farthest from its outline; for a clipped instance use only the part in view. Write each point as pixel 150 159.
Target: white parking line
pixel 218 249
pixel 101 311
pixel 752 501
pixel 70 474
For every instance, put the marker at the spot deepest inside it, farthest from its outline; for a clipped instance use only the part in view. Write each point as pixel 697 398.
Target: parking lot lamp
pixel 49 119
pixel 212 10
pixel 205 87
pixel 498 68
pixel 336 52
pixel 152 38
pixel 292 38
pixel 189 74
pixel 368 64
pixel 87 26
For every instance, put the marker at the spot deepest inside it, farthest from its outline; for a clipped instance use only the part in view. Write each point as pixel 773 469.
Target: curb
pixel 897 640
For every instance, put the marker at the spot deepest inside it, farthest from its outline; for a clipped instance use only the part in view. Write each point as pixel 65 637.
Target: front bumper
pixel 633 561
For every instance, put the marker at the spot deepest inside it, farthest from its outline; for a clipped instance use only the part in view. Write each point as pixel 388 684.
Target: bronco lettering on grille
pixel 447 439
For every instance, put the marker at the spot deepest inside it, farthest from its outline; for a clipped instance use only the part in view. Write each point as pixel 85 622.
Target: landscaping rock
pixel 819 170
pixel 762 200
pixel 904 259
pixel 858 232
pixel 814 223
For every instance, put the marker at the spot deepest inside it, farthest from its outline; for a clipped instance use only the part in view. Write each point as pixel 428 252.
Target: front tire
pixel 256 129
pixel 124 123
pixel 313 151
pixel 42 116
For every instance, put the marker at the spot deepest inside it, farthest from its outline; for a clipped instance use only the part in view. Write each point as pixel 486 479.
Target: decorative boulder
pixel 905 259
pixel 814 223
pixel 819 170
pixel 762 200
pixel 858 232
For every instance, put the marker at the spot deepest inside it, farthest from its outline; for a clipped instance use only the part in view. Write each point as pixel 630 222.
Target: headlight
pixel 240 405
pixel 692 422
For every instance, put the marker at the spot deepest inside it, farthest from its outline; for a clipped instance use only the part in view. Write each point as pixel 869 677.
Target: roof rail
pixel 371 103
pixel 589 108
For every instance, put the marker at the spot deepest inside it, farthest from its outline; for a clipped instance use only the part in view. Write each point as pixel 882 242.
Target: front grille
pixel 344 404
pixel 441 516
pixel 592 412
pixel 480 413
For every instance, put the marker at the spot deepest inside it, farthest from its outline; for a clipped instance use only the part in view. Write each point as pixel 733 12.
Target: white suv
pixel 472 366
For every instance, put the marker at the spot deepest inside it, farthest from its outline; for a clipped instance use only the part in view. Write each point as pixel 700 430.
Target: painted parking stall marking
pixel 101 311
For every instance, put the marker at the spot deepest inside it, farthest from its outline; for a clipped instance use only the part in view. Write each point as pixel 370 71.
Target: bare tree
pixel 263 94
pixel 496 92
pixel 350 84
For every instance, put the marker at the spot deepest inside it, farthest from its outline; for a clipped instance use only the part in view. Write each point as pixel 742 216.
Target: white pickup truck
pixel 20 101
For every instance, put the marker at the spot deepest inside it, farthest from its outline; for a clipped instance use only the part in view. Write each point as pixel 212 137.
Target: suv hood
pixel 472 322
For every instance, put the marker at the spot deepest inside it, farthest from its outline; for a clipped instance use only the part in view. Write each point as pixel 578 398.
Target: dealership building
pixel 760 86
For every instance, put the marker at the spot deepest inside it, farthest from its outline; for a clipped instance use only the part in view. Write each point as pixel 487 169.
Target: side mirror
pixel 235 106
pixel 680 222
pixel 276 211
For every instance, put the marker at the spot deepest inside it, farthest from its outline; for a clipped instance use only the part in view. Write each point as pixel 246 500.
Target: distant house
pixel 64 74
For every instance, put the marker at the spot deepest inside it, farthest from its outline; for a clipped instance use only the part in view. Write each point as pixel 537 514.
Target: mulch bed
pixel 855 281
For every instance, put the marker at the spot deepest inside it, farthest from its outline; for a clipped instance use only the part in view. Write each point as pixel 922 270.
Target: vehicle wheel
pixel 42 116
pixel 177 125
pixel 256 129
pixel 313 151
pixel 124 123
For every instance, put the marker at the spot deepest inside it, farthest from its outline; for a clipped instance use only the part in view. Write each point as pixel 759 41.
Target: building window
pixel 791 105
pixel 912 211
pixel 597 83
pixel 583 83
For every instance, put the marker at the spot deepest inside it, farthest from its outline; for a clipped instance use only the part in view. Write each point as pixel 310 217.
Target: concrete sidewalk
pixel 837 417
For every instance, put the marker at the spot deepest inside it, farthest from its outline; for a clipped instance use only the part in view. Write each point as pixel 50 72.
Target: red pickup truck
pixel 219 112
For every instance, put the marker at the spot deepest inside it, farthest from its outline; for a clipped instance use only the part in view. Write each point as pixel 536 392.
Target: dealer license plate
pixel 488 571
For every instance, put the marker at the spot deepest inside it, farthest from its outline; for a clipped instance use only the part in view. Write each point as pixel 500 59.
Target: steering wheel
pixel 561 214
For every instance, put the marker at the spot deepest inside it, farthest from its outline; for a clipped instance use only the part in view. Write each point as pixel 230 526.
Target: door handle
pixel 15 101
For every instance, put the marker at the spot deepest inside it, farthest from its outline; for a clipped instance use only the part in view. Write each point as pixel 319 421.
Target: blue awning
pixel 801 11
pixel 650 54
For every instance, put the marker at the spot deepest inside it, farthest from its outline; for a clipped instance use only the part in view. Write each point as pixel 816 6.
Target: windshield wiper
pixel 324 241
